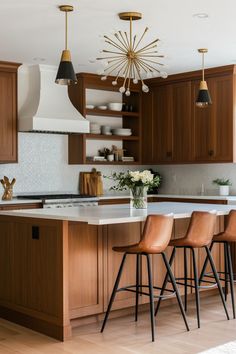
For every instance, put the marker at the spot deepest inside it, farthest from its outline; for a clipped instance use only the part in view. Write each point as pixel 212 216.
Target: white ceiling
pixel 35 28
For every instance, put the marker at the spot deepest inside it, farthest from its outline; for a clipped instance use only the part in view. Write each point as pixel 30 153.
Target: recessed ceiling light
pixel 38 59
pixel 201 15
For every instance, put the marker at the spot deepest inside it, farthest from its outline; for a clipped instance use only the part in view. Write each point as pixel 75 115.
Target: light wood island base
pixel 56 274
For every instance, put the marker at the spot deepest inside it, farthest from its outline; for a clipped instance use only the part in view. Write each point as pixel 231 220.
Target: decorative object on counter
pixel 115 106
pixel 154 190
pixel 65 73
pixel 8 188
pixel 128 59
pixel 204 98
pixel 90 183
pixel 223 184
pixel 138 183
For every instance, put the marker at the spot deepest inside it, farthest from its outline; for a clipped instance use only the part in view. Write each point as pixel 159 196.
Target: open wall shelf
pixel 78 143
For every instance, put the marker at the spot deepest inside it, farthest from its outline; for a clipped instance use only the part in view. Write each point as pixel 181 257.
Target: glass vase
pixel 138 198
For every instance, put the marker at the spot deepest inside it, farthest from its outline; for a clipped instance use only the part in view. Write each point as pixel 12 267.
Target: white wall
pixel 43 165
pixel 187 179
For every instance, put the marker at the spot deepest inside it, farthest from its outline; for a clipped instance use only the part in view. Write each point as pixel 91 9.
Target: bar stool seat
pixel 199 235
pixel 154 240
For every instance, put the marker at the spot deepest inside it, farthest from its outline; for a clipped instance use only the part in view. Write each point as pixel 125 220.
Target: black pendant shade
pixel 204 98
pixel 65 73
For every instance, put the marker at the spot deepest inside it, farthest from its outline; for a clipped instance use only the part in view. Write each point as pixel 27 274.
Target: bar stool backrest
pixel 157 232
pixel 231 224
pixel 201 228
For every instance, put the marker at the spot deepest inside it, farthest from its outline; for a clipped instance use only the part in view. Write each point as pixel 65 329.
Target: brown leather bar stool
pixel 226 237
pixel 199 235
pixel 155 238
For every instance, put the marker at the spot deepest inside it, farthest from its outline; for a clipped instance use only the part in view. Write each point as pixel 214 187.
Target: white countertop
pixel 116 214
pixel 16 201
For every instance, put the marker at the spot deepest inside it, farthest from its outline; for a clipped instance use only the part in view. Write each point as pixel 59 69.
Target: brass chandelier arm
pixel 151 55
pixel 138 72
pixel 115 57
pixel 114 43
pixel 134 40
pixel 109 51
pixel 114 67
pixel 122 41
pixel 144 32
pixel 118 74
pixel 151 61
pixel 148 46
pixel 150 67
pixel 127 40
pixel 116 46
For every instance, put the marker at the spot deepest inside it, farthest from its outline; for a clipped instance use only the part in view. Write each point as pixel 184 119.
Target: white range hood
pixel 43 105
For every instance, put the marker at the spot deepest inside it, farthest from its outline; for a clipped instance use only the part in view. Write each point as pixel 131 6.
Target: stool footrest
pixel 129 288
pixel 199 286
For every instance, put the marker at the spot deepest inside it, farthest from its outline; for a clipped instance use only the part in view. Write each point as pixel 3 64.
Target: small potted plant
pixel 223 184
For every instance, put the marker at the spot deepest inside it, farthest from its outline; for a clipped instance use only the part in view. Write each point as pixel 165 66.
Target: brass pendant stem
pixel 130 33
pixel 66 31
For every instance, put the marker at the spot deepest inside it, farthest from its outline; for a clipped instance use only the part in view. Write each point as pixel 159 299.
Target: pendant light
pixel 204 98
pixel 65 73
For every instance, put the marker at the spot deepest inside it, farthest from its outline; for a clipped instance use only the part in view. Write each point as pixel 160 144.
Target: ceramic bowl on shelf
pixel 122 131
pixel 102 107
pixel 90 106
pixel 115 106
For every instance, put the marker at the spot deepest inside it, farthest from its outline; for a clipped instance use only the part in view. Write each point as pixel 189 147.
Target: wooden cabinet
pixel 78 143
pixel 162 128
pixel 21 206
pixel 8 112
pixel 213 125
pixel 180 132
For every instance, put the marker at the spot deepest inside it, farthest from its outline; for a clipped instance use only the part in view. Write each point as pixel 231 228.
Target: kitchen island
pixel 57 266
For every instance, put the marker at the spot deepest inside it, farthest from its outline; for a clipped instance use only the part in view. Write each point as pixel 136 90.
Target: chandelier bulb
pixel 114 83
pixel 127 93
pixel 164 75
pixel 122 89
pixel 103 78
pixel 145 88
pixel 135 81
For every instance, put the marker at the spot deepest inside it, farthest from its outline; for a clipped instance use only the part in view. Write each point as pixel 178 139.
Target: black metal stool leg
pixel 165 281
pixel 196 285
pixel 231 277
pixel 185 279
pixel 172 278
pixel 137 286
pixel 204 266
pixel 151 295
pixel 217 280
pixel 114 291
pixel 226 269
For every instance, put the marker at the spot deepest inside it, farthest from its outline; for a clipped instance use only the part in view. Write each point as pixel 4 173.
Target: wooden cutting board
pixel 90 183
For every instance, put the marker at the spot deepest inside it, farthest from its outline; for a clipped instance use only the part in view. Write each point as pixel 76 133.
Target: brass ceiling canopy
pixel 127 59
pixel 66 8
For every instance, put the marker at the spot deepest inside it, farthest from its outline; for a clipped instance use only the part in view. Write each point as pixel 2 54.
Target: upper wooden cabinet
pixel 213 126
pixel 182 132
pixel 8 112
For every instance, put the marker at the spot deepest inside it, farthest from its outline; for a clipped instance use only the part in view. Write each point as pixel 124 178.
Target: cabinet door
pixel 162 124
pixel 147 128
pixel 203 126
pixel 8 131
pixel 182 122
pixel 223 118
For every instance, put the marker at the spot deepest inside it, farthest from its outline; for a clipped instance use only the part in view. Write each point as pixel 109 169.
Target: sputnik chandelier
pixel 128 59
